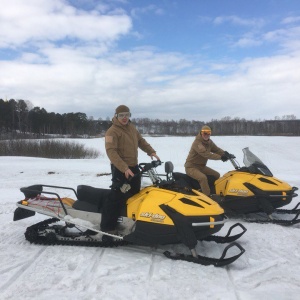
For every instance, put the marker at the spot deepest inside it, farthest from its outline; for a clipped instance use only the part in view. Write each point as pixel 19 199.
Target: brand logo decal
pixel 153 217
pixel 238 192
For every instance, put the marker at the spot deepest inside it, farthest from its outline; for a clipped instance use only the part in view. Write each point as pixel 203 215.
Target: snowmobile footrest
pixel 207 261
pixel 227 238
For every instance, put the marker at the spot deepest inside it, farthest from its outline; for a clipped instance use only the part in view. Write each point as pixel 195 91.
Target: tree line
pixel 20 118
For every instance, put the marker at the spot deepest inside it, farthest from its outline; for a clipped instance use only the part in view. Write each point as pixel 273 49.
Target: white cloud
pixel 137 12
pixel 85 72
pixel 26 21
pixel 239 21
pixel 247 42
pixel 288 38
pixel 157 85
pixel 290 20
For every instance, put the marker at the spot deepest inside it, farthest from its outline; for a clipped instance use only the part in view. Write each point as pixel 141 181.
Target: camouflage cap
pixel 122 108
pixel 205 128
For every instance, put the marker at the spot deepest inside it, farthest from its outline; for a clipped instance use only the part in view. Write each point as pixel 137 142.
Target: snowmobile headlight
pixel 24 202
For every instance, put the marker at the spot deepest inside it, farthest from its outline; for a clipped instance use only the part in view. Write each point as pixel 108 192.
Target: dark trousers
pixel 117 199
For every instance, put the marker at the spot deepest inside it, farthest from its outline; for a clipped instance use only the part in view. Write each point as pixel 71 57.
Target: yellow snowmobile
pixel 157 215
pixel 250 189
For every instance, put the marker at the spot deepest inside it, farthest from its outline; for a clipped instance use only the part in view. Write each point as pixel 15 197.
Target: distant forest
pixel 18 118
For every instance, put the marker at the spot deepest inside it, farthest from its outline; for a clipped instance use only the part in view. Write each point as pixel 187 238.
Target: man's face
pixel 123 117
pixel 205 134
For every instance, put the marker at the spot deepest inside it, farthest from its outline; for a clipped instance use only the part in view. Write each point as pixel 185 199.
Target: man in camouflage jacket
pixel 122 141
pixel 203 149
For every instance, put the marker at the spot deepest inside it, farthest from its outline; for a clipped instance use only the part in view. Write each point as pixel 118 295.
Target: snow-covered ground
pixel 269 269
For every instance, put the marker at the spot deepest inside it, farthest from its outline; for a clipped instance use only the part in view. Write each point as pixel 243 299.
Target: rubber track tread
pixel 32 235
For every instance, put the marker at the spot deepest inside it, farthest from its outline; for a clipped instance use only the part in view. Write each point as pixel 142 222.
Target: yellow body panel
pixel 149 211
pixel 68 201
pixel 232 184
pixel 146 211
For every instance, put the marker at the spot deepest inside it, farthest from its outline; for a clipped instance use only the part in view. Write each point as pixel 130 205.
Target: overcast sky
pixel 184 59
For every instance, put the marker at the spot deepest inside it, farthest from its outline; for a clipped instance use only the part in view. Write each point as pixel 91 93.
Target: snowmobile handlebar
pixel 149 169
pixel 144 167
pixel 231 157
pixel 234 163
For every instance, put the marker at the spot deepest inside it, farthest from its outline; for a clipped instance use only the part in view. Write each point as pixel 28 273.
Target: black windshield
pixel 254 164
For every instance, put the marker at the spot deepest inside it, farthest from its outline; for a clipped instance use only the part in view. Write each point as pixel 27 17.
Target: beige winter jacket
pixel 122 143
pixel 201 151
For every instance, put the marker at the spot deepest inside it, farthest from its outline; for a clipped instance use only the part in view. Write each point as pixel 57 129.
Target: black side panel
pixel 85 206
pixel 240 205
pixel 21 213
pixel 184 228
pixel 149 234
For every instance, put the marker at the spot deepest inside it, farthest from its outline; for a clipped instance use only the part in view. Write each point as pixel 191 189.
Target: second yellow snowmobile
pixel 250 189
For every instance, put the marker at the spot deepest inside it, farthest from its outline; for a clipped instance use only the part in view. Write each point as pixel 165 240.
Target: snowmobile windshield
pixel 254 164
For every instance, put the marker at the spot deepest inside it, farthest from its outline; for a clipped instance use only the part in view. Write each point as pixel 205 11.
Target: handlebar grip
pixel 148 166
pixel 156 163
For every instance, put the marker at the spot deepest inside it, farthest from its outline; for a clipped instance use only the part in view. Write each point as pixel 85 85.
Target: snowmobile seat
pixel 184 180
pixel 90 198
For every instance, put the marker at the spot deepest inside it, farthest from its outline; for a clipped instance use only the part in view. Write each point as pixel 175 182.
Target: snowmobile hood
pixel 146 206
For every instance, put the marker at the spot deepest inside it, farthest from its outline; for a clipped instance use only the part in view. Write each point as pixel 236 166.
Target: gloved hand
pixel 227 156
pixel 224 157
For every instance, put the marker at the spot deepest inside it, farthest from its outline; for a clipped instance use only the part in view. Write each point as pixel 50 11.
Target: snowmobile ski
pixel 207 261
pixel 227 238
pixel 294 210
pixel 270 219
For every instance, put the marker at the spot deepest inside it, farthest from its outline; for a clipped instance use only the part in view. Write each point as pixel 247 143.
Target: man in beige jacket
pixel 122 141
pixel 203 149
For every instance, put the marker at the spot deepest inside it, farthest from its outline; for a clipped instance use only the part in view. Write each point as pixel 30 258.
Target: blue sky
pixel 194 60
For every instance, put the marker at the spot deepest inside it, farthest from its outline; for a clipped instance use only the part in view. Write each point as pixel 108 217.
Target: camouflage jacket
pixel 201 151
pixel 122 143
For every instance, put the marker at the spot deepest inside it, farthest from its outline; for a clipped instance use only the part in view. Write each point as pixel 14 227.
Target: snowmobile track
pixel 34 235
